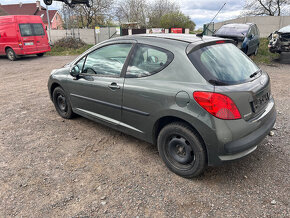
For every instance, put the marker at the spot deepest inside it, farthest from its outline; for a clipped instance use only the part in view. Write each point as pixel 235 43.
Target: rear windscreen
pixel 223 64
pixel 34 29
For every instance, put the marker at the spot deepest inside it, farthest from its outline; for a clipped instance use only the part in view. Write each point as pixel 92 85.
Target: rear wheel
pixel 40 54
pixel 181 150
pixel 62 104
pixel 11 54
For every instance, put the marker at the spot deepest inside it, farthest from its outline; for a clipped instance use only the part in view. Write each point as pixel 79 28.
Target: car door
pixel 28 38
pixel 97 93
pixel 142 94
pixel 252 41
pixel 257 36
pixel 41 39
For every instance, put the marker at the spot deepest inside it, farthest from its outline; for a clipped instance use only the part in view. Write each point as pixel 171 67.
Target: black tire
pixel 11 54
pixel 181 150
pixel 47 2
pixel 40 54
pixel 62 104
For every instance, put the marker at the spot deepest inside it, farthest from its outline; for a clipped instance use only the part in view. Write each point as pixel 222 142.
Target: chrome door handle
pixel 114 86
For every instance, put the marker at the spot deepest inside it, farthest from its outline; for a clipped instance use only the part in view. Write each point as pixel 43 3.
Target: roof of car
pixel 189 38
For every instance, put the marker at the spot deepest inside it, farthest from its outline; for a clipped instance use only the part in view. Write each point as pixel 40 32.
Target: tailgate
pixel 251 97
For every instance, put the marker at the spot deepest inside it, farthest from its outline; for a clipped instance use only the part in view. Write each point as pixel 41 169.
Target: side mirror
pixel 75 71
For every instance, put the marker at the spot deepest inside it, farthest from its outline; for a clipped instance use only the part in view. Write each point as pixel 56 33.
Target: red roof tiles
pixel 26 9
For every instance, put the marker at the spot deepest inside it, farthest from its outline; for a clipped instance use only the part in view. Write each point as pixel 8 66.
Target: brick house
pixel 56 21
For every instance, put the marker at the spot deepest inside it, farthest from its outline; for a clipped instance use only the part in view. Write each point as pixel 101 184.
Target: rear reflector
pixel 219 105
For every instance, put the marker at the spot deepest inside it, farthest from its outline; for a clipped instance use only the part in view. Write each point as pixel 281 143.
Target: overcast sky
pixel 200 11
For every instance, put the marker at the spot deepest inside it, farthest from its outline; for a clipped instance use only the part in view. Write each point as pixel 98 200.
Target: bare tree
pixel 131 11
pixel 138 10
pixel 83 16
pixel 266 7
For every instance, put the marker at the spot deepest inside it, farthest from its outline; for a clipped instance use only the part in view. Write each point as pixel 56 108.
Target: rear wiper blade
pixel 254 74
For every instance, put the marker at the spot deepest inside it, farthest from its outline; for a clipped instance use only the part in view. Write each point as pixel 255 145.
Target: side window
pixel 107 61
pixel 148 60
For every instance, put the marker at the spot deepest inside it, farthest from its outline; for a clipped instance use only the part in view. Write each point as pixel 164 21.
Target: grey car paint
pixel 141 104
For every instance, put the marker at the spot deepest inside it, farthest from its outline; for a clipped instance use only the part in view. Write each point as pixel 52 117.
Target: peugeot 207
pixel 201 100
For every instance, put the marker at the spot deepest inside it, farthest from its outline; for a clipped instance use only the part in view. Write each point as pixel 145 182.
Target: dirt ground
pixel 51 167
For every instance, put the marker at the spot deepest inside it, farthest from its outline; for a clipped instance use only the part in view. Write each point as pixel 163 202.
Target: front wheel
pixel 11 54
pixel 62 104
pixel 181 150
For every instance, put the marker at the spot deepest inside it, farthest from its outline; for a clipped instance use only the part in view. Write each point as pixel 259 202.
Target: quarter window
pixel 80 64
pixel 148 60
pixel 107 61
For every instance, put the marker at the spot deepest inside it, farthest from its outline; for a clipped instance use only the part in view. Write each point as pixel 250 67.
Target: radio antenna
pixel 201 34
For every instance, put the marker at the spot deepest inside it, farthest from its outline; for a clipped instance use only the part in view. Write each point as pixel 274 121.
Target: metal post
pixel 48 21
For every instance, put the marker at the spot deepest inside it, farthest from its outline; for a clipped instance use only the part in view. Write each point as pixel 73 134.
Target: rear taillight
pixel 219 105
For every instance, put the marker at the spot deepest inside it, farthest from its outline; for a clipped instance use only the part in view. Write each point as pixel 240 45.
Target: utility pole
pixel 48 21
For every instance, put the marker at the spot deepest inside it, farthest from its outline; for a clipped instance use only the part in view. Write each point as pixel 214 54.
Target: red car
pixel 22 35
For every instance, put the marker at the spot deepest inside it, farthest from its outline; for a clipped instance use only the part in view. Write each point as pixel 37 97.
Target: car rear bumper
pixel 21 51
pixel 241 137
pixel 252 139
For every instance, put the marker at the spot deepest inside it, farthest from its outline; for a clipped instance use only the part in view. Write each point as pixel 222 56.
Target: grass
pixel 63 51
pixel 264 56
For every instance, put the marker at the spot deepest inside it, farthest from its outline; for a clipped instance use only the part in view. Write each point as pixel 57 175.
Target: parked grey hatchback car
pixel 201 100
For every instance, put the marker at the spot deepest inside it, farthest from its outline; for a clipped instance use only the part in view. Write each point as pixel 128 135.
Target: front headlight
pixel 275 36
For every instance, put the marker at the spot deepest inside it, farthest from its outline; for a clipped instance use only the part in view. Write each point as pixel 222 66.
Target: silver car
pixel 202 101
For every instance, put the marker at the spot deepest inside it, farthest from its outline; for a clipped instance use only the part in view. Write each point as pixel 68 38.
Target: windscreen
pixel 223 64
pixel 233 30
pixel 35 29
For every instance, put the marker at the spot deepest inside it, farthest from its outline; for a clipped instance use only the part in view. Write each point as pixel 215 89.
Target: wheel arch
pixel 163 121
pixel 7 47
pixel 52 88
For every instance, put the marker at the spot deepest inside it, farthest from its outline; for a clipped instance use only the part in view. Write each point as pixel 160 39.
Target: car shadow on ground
pixel 238 169
pixel 284 58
